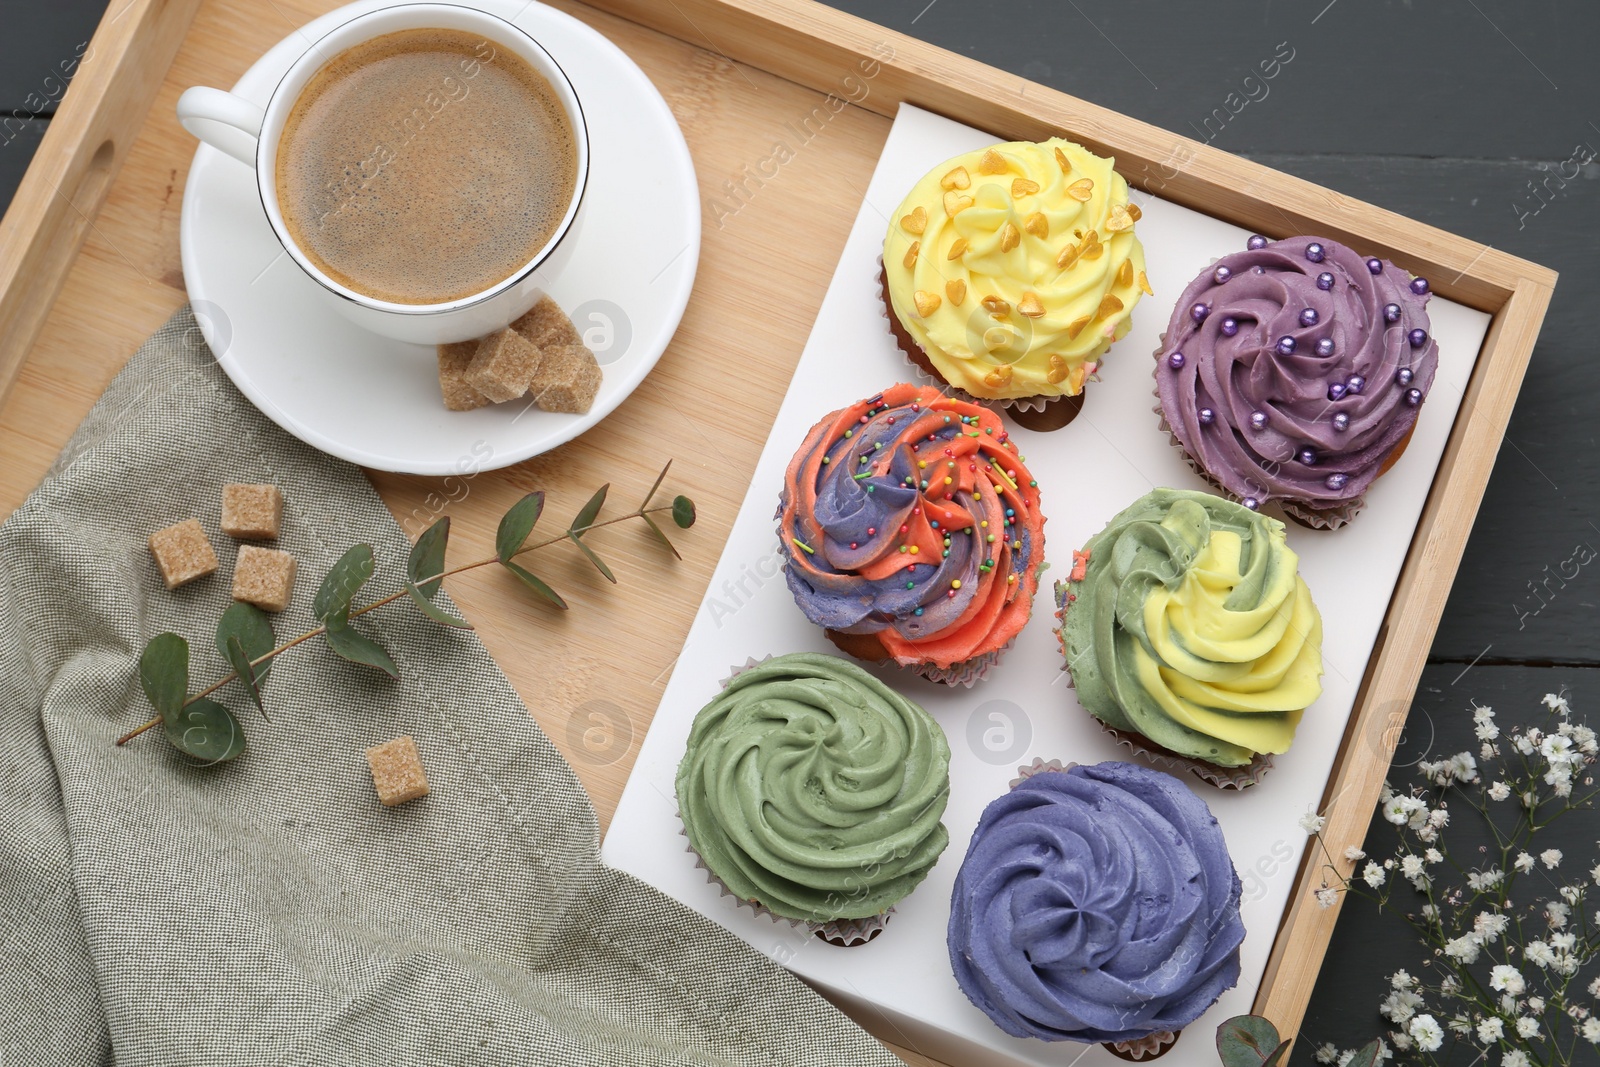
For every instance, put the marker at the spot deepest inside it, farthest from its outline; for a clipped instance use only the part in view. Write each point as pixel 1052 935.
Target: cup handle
pixel 226 122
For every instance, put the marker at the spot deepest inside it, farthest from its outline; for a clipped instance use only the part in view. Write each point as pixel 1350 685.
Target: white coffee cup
pixel 250 134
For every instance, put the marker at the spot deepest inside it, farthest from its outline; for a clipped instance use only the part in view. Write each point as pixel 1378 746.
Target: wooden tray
pixel 89 268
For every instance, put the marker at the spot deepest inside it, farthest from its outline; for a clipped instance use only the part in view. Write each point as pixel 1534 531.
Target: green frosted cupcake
pixel 812 790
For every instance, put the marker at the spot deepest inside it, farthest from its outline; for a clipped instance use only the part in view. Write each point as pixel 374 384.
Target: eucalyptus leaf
pixel 207 731
pixel 164 674
pixel 516 525
pixel 596 560
pixel 358 648
pixel 648 521
pixel 683 512
pixel 651 495
pixel 434 611
pixel 1366 1055
pixel 240 662
pixel 332 602
pixel 253 628
pixel 1249 1041
pixel 535 583
pixel 590 511
pixel 427 558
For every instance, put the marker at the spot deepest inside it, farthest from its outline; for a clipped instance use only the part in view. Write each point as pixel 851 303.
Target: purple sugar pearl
pixel 1341 422
pixel 1336 391
pixel 1309 317
pixel 1286 345
pixel 1413 397
pixel 1337 481
pixel 1314 252
pixel 1207 416
pixel 1230 327
pixel 1404 375
pixel 1199 312
pixel 1375 265
pixel 1251 502
pixel 1221 274
pixel 1256 242
pixel 1175 361
pixel 1308 456
pixel 1391 313
pixel 1324 281
pixel 1325 347
pixel 1419 286
pixel 1258 420
pixel 1417 337
pixel 1355 384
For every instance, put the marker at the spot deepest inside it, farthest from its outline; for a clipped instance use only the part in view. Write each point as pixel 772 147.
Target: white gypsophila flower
pixel 1448 985
pixel 1373 875
pixel 1538 953
pixel 1402 980
pixel 1504 978
pixel 1489 926
pixel 1508 1004
pixel 1460 1024
pixel 1556 702
pixel 1345 1057
pixel 1312 823
pixel 1557 748
pixel 1489 751
pixel 1491 1030
pixel 1399 808
pixel 1515 1058
pixel 1463 948
pixel 1556 914
pixel 1439 817
pixel 1563 788
pixel 1536 1004
pixel 1523 862
pixel 1594 988
pixel 1433 855
pixel 1527 1027
pixel 1426 1032
pixel 1430 912
pixel 1487 731
pixel 1463 767
pixel 1565 941
pixel 1551 858
pixel 1572 893
pixel 1399 1006
pixel 1485 881
pixel 1591 1031
pixel 1355 855
pixel 1401 1039
pixel 1499 791
pixel 1327 1053
pixel 1524 743
pixel 1411 866
pixel 1482 714
pixel 1327 897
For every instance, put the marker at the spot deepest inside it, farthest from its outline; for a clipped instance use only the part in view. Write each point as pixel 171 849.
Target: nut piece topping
pixel 956 290
pixel 1037 225
pixel 956 179
pixel 1030 306
pixel 911 254
pixel 1009 237
pixel 958 248
pixel 927 303
pixel 1081 190
pixel 915 222
pixel 991 162
pixel 1023 187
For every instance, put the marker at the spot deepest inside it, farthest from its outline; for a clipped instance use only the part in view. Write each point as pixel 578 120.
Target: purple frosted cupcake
pixel 1096 904
pixel 1294 371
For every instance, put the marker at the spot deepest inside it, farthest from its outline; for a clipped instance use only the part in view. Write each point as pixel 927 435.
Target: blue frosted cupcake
pixel 1096 904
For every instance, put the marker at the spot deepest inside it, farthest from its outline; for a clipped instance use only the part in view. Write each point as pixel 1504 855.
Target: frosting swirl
pixel 1294 370
pixel 910 516
pixel 1185 620
pixel 1096 904
pixel 1015 267
pixel 814 789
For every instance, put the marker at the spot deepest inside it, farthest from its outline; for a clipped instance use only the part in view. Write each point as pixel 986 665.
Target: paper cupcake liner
pixel 967 673
pixel 1221 777
pixel 1039 766
pixel 1149 1047
pixel 1312 518
pixel 922 366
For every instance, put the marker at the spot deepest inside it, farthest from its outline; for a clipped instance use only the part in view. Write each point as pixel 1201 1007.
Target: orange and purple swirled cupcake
pixel 912 532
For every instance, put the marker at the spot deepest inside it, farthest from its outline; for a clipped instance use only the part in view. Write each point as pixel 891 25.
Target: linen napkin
pixel 269 910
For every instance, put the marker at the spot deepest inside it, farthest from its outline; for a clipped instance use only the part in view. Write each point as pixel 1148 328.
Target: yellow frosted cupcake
pixel 1009 271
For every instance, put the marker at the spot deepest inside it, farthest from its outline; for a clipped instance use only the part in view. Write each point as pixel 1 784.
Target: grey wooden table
pixel 1463 113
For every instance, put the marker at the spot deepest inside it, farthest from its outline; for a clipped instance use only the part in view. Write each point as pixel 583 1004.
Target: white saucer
pixel 376 402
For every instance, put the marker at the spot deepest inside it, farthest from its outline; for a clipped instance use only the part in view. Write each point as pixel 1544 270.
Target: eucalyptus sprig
pixel 207 730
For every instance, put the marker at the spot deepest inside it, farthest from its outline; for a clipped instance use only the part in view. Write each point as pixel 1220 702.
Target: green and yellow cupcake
pixel 1009 271
pixel 811 790
pixel 1190 634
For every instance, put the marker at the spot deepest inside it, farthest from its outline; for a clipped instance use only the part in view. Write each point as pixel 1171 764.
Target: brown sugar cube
pixel 263 577
pixel 251 511
pixel 568 379
pixel 547 325
pixel 503 366
pixel 183 553
pixel 458 393
pixel 397 772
